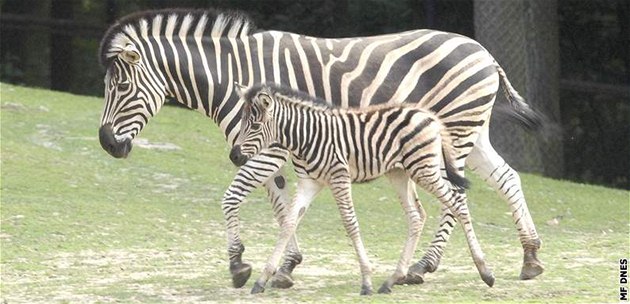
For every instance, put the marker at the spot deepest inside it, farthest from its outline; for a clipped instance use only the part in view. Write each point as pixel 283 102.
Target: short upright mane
pixel 303 99
pixel 214 23
pixel 294 96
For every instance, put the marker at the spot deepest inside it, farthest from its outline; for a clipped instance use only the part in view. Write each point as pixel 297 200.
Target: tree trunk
pixel 543 77
pixel 522 35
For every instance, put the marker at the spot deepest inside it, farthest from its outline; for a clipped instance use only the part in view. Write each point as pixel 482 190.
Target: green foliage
pixel 80 226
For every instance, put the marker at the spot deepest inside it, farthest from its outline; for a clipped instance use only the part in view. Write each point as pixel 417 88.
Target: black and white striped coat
pixel 334 147
pixel 194 57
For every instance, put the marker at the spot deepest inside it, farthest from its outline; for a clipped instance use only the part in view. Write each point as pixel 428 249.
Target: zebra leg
pixel 255 172
pixel 341 189
pixel 416 216
pixel 231 206
pixel 283 278
pixel 491 167
pixel 279 197
pixel 307 190
pixel 431 259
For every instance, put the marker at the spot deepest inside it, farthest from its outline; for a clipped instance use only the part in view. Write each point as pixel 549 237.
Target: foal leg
pixel 340 185
pixel 307 190
pixel 416 216
pixel 459 206
pixel 431 258
pixel 491 167
pixel 432 181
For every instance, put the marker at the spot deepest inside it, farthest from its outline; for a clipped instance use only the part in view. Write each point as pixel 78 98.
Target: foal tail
pixel 452 173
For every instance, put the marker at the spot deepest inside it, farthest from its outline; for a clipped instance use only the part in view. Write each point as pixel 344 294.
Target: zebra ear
pixel 130 54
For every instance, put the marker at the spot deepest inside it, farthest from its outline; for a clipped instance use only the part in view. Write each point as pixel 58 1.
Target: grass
pixel 80 226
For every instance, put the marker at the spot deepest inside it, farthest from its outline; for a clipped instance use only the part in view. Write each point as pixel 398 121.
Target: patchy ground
pixel 77 226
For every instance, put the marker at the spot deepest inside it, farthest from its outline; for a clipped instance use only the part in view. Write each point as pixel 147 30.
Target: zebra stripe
pixel 195 56
pixel 410 140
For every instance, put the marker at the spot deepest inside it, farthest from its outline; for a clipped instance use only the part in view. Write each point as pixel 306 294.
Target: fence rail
pixel 595 87
pixel 67 27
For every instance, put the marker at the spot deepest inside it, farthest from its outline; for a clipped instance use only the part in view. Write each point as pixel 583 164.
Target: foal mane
pixel 303 99
pixel 214 23
pixel 288 94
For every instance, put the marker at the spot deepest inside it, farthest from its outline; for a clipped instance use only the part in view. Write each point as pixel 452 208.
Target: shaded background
pixel 569 58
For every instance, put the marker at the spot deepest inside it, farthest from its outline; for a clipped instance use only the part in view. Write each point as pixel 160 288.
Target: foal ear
pixel 265 100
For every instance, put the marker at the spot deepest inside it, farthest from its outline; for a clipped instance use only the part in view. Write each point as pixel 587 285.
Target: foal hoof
pixel 240 275
pixel 366 290
pixel 488 278
pixel 385 289
pixel 531 270
pixel 282 280
pixel 411 279
pixel 258 288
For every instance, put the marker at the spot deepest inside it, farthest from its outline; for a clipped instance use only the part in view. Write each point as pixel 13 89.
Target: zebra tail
pixel 452 174
pixel 521 111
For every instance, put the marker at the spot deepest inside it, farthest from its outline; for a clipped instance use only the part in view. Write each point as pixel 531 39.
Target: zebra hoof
pixel 532 267
pixel 488 278
pixel 258 288
pixel 366 290
pixel 282 280
pixel 531 270
pixel 240 275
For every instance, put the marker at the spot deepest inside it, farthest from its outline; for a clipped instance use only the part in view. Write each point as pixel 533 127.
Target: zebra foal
pixel 332 146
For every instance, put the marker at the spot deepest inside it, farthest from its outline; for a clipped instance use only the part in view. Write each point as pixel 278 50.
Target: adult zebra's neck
pixel 207 68
pixel 191 54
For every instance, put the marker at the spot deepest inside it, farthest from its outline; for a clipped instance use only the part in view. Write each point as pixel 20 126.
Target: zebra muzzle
pixel 237 157
pixel 117 149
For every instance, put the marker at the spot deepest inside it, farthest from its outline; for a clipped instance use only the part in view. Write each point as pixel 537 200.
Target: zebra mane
pixel 204 22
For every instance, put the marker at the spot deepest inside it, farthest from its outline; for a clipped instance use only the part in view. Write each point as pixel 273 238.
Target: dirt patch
pixel 47 137
pixel 84 276
pixel 146 144
pixel 18 107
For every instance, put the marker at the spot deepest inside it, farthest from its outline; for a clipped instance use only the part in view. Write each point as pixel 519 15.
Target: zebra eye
pixel 255 126
pixel 123 86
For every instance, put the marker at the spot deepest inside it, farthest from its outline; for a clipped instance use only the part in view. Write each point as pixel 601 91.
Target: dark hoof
pixel 385 288
pixel 257 288
pixel 366 291
pixel 282 280
pixel 240 275
pixel 531 270
pixel 488 278
pixel 411 279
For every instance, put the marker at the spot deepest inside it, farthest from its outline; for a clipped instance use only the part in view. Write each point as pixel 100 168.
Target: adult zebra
pixel 194 56
pixel 335 147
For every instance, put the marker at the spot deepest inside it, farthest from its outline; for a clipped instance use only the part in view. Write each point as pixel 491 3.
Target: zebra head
pixel 132 96
pixel 257 124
